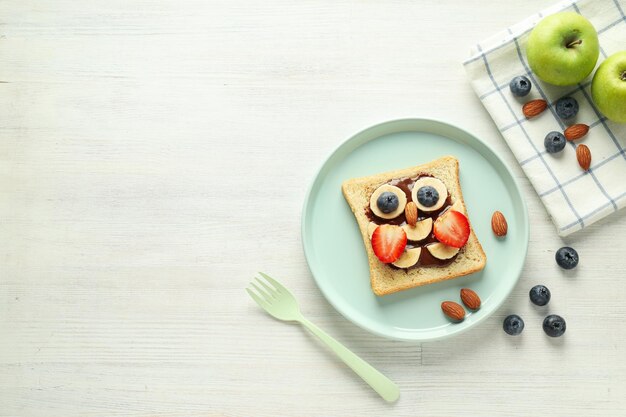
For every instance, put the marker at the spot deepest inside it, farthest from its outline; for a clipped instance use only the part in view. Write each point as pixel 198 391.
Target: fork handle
pixel 385 387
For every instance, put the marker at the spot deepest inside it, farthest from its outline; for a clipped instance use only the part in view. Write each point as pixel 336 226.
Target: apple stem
pixel 623 76
pixel 574 43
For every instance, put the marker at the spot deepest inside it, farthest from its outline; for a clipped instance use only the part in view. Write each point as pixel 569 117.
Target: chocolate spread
pixel 426 259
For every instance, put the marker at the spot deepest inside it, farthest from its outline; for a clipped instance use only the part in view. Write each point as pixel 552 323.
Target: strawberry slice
pixel 452 229
pixel 388 242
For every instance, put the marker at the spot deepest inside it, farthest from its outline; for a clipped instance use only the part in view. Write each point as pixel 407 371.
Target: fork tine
pixel 268 288
pixel 279 287
pixel 262 303
pixel 266 296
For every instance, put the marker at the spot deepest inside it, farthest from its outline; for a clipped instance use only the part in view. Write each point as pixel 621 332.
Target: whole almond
pixel 534 108
pixel 499 224
pixel 575 132
pixel 453 310
pixel 410 212
pixel 470 299
pixel 583 154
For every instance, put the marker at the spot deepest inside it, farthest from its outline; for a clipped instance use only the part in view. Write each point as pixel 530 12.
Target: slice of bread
pixel 386 279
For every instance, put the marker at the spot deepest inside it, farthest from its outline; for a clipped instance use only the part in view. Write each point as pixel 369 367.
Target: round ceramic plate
pixel 334 248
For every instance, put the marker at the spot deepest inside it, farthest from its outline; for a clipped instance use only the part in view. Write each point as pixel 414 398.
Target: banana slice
pixel 392 189
pixel 408 258
pixel 437 185
pixel 420 231
pixel 370 229
pixel 441 251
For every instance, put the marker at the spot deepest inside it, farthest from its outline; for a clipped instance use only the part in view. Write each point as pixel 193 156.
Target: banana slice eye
pixel 387 202
pixel 429 194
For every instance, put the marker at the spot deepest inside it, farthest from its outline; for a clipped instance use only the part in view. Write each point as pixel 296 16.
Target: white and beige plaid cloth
pixel 574 198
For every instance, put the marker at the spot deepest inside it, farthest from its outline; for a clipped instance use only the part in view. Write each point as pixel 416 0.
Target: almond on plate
pixel 453 310
pixel 470 299
pixel 499 224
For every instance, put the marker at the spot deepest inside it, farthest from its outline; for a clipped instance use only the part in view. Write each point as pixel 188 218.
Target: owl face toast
pixel 415 226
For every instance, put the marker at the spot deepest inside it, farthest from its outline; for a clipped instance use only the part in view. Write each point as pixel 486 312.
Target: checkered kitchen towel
pixel 574 198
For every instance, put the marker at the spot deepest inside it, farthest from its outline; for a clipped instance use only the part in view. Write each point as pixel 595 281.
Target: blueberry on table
pixel 513 324
pixel 427 196
pixel 566 257
pixel 554 142
pixel 387 202
pixel 554 325
pixel 539 295
pixel 566 107
pixel 520 86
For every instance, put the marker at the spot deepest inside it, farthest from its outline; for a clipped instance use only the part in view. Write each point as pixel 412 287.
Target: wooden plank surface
pixel 155 154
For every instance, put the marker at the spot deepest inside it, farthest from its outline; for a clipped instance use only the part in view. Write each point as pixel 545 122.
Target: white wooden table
pixel 155 154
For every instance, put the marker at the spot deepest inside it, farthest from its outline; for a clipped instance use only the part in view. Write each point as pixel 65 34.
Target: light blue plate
pixel 334 249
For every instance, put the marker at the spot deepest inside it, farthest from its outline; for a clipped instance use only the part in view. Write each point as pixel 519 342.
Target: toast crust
pixel 386 280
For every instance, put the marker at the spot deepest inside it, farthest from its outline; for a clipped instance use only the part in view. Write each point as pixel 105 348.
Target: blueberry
pixel 554 325
pixel 513 324
pixel 520 86
pixel 554 142
pixel 387 202
pixel 566 257
pixel 427 196
pixel 539 295
pixel 566 107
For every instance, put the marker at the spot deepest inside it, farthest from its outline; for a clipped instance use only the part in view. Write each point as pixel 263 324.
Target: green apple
pixel 608 88
pixel 563 48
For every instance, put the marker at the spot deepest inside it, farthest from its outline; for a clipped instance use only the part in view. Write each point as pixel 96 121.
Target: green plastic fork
pixel 274 298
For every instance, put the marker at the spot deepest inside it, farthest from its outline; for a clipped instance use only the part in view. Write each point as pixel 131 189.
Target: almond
pixel 583 154
pixel 410 212
pixel 470 299
pixel 499 224
pixel 453 310
pixel 534 108
pixel 575 132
